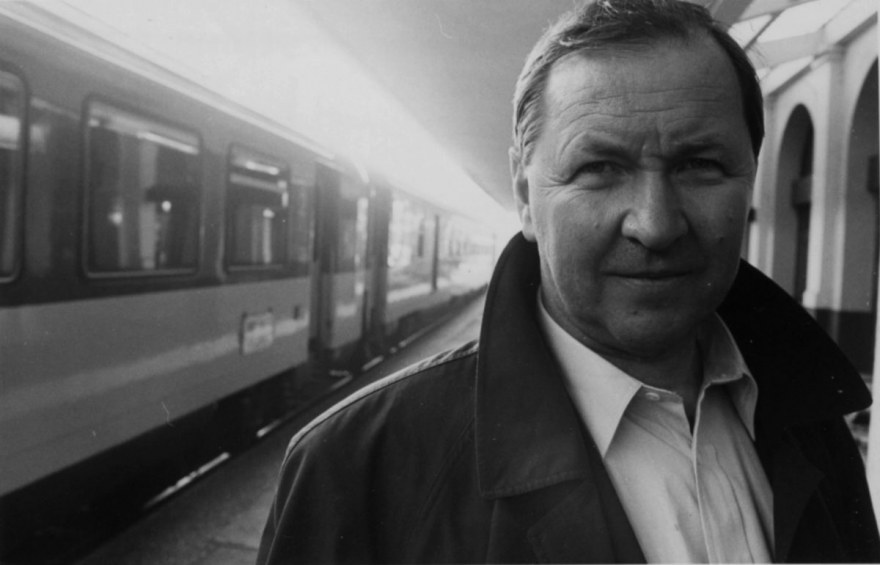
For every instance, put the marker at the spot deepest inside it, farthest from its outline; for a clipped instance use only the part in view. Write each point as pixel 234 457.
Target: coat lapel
pixel 794 481
pixel 530 441
pixel 575 531
pixel 589 526
pixel 802 378
pixel 528 435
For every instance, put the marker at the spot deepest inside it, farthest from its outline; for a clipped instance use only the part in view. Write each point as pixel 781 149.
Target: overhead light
pixel 258 167
pixel 167 142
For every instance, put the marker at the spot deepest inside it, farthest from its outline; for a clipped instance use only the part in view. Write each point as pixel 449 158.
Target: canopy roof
pixel 453 63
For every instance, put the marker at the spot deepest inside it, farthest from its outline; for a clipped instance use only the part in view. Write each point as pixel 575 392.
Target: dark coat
pixel 478 454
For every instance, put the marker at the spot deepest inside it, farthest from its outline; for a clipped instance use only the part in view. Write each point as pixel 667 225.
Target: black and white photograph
pixel 439 281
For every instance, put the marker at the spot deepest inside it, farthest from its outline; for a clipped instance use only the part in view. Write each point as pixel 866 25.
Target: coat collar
pixel 528 433
pixel 802 374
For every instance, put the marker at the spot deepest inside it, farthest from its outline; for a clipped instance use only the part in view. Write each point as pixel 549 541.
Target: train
pixel 177 271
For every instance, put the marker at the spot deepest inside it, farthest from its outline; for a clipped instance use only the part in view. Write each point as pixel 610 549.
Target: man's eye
pixel 599 168
pixel 699 165
pixel 598 175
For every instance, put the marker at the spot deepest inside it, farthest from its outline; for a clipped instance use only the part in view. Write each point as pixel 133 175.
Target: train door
pixel 327 185
pixel 355 216
pixel 339 276
pixel 377 271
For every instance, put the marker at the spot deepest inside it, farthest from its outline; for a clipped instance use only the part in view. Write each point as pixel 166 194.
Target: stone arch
pixel 793 202
pixel 854 326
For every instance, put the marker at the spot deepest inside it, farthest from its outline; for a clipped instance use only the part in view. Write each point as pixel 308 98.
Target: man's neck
pixel 678 371
pixel 676 368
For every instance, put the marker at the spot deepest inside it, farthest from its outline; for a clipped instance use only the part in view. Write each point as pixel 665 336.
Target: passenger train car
pixel 175 270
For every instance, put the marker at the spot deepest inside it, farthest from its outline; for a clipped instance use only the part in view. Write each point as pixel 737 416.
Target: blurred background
pixel 217 215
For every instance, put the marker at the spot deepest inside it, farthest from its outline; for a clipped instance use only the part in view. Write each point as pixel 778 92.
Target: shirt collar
pixel 724 364
pixel 603 398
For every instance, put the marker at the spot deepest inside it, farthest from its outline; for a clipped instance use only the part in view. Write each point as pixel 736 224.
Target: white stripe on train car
pixel 80 377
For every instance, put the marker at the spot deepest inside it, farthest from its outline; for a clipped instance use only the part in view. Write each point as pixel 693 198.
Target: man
pixel 637 393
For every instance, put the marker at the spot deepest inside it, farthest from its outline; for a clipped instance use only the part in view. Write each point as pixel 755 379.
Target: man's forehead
pixel 686 92
pixel 607 61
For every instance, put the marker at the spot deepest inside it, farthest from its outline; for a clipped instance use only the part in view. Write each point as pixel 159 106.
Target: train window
pixel 143 194
pixel 420 247
pixel 411 243
pixel 404 223
pixel 466 253
pixel 362 233
pixel 256 210
pixel 12 107
pixel 352 212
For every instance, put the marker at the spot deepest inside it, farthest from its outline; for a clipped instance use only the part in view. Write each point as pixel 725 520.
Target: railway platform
pixel 219 519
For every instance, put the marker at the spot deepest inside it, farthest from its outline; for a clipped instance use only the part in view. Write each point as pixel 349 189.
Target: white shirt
pixel 691 497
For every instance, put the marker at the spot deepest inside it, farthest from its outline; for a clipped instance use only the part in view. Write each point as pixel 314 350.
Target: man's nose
pixel 654 216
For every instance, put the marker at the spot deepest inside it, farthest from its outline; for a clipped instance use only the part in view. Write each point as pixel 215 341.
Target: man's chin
pixel 655 337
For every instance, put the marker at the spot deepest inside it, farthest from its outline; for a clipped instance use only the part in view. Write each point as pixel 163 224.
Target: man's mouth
pixel 653 278
pixel 654 274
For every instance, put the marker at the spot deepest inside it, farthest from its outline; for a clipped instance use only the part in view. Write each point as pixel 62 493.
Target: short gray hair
pixel 602 24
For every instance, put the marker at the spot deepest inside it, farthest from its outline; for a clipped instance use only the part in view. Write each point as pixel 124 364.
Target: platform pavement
pixel 219 519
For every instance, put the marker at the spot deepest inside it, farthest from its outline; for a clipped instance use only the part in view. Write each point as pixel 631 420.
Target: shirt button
pixel 651 395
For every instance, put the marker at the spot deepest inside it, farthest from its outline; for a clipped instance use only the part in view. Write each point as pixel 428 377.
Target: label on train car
pixel 257 332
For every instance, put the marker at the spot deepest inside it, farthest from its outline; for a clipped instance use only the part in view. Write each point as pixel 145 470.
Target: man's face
pixel 637 192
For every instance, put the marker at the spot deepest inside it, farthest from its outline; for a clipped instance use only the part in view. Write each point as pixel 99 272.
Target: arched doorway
pixel 854 328
pixel 793 203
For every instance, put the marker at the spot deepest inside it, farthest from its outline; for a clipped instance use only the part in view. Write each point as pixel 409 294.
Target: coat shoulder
pixel 367 470
pixel 416 401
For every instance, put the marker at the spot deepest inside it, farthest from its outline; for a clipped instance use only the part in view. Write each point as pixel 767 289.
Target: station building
pixel 815 221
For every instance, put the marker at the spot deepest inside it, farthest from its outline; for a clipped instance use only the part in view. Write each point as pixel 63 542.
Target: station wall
pixel 815 225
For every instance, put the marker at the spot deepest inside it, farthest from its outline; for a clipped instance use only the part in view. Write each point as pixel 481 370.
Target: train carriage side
pixel 433 257
pixel 175 272
pixel 466 253
pixel 387 263
pixel 411 263
pixel 155 258
pixel 343 270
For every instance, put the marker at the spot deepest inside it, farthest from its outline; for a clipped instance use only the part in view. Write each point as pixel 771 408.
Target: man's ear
pixel 521 193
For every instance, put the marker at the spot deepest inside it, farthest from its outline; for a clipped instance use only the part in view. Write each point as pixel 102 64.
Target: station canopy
pixel 453 63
